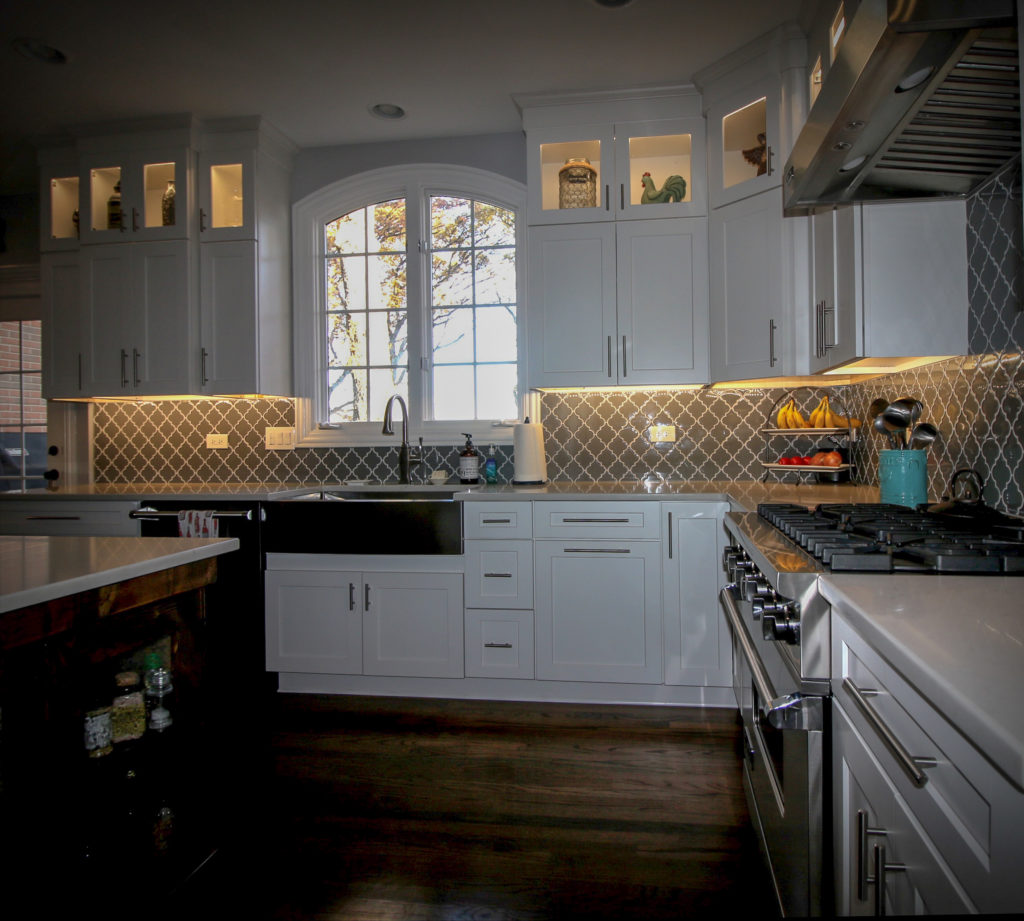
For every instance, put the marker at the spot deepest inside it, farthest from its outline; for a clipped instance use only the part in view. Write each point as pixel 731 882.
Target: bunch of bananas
pixel 789 417
pixel 823 418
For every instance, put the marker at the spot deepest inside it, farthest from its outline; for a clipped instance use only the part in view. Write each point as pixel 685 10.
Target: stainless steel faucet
pixel 407 456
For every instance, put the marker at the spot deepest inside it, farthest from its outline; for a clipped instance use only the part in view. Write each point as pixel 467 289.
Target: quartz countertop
pixel 744 495
pixel 959 640
pixel 34 570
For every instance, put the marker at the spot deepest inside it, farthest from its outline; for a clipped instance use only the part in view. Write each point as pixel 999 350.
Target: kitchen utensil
pixel 881 426
pixel 877 407
pixel 923 434
pixel 897 417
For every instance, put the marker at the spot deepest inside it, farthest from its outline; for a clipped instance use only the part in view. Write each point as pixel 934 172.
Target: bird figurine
pixel 674 189
pixel 758 156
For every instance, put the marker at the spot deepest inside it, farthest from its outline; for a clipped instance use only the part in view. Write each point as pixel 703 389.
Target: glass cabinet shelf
pixel 159 195
pixel 227 197
pixel 744 143
pixel 105 195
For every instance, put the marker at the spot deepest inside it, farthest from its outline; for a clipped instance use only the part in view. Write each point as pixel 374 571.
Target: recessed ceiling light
pixel 35 50
pixel 387 110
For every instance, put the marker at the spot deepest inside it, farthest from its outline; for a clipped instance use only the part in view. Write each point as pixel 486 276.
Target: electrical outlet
pixel 279 439
pixel 216 441
pixel 662 434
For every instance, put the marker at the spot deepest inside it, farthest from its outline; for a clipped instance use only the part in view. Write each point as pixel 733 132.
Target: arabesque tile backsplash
pixel 977 402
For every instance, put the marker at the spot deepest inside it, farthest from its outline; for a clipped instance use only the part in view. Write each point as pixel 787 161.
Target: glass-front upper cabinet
pixel 743 144
pixel 59 201
pixel 607 172
pixel 138 196
pixel 226 196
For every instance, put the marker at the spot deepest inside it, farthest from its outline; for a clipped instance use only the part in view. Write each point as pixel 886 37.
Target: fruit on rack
pixel 823 418
pixel 789 417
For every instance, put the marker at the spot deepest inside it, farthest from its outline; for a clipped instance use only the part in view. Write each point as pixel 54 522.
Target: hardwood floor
pixel 389 808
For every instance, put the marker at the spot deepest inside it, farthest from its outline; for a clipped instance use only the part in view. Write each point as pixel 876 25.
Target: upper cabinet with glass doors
pixel 59 198
pixel 594 159
pixel 226 198
pixel 136 188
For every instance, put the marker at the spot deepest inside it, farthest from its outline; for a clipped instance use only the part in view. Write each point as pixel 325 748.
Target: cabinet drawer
pixel 499 644
pixel 597 520
pixel 499 573
pixel 500 520
pixel 960 801
pixel 75 518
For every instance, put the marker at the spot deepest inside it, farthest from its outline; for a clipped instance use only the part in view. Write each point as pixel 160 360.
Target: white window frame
pixel 415 183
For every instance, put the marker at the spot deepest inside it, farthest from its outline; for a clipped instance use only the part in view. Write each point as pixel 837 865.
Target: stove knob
pixel 785 631
pixel 754 586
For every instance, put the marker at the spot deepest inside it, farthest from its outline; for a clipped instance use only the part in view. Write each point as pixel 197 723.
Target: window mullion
pixel 417 300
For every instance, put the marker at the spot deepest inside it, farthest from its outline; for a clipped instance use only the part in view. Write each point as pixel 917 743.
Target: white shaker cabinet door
pixel 314 621
pixel 598 610
pixel 228 306
pixel 412 624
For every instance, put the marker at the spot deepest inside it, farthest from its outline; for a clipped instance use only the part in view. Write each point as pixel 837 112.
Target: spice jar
pixel 128 710
pixel 577 184
pixel 98 731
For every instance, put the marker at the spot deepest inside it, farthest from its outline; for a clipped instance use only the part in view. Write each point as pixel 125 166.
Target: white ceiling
pixel 313 67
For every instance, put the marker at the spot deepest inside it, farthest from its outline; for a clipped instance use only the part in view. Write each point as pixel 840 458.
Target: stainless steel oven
pixel 780 677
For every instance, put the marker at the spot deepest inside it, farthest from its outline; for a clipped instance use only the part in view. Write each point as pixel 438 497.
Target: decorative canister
pixel 114 208
pixel 128 709
pixel 167 204
pixel 577 184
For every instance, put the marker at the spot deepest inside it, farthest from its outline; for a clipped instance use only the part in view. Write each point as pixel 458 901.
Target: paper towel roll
pixel 528 446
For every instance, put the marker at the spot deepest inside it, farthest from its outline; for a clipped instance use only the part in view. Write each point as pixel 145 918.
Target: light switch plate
pixel 216 441
pixel 279 439
pixel 662 434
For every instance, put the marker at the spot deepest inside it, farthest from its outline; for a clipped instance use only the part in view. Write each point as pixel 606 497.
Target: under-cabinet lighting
pixel 885 365
pixel 170 396
pixel 631 388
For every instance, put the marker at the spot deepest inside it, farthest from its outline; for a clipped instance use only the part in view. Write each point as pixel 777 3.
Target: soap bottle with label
pixel 490 467
pixel 469 462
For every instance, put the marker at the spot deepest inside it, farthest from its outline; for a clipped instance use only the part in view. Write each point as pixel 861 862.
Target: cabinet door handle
pixel 863 831
pixel 624 371
pixel 610 357
pixel 881 868
pixel 594 521
pixel 622 196
pixel 596 550
pixel 827 313
pixel 768 159
pixel 497 645
pixel 351 596
pixel 910 764
pixel 135 365
pixel 497 575
pixel 53 518
pixel 124 368
pixel 607 206
pixel 670 535
pixel 366 596
pixel 135 220
pixel 495 521
pixel 203 379
pixel 202 220
pixel 771 343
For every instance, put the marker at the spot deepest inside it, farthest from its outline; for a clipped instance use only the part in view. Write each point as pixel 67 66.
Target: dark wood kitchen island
pixel 125 821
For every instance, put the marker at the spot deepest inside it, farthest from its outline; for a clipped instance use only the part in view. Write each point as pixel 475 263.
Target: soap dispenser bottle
pixel 469 462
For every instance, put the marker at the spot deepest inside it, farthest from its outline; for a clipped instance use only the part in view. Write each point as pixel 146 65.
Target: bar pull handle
pixel 596 550
pixel 497 575
pixel 53 518
pixel 622 196
pixel 768 153
pixel 135 220
pixel 202 220
pixel 610 357
pixel 497 645
pixel 366 596
pixel 771 343
pixel 136 354
pixel 594 521
pixel 124 368
pixel 911 764
pixel 881 868
pixel 203 379
pixel 624 367
pixel 670 535
pixel 351 596
pixel 607 207
pixel 495 521
pixel 863 831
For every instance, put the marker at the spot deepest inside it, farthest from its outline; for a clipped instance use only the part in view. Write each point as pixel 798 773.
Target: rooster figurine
pixel 674 189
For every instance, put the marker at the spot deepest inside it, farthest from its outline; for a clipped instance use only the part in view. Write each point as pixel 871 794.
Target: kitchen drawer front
pixel 498 520
pixel 499 644
pixel 499 573
pixel 597 520
pixel 970 810
pixel 85 518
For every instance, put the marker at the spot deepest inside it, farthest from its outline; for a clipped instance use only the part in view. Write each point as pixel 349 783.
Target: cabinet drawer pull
pixel 863 830
pixel 366 596
pixel 351 596
pixel 495 521
pixel 497 645
pixel 124 368
pixel 610 357
pixel 881 868
pixel 594 521
pixel 910 764
pixel 53 518
pixel 497 575
pixel 596 550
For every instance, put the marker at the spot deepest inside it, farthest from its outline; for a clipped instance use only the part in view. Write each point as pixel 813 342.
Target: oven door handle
pixel 152 514
pixel 790 711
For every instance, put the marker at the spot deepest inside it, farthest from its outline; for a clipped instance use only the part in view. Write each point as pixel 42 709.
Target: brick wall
pixel 13 360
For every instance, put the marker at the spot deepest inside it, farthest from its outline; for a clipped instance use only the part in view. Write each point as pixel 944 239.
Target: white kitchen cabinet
pixel 397 616
pixel 499 573
pixel 413 624
pixel 139 321
pixel 749 308
pixel 591 157
pixel 499 643
pixel 314 621
pixel 950 818
pixel 63 330
pixel 497 520
pixel 128 181
pixel 68 517
pixel 244 259
pixel 598 610
pixel 619 303
pixel 890 280
pixel 59 199
pixel 698 648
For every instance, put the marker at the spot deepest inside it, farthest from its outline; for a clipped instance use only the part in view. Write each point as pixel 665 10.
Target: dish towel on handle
pixel 197 523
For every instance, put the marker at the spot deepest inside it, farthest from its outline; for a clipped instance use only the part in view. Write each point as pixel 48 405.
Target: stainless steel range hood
pixel 922 101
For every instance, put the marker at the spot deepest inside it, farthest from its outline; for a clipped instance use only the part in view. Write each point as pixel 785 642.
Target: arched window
pixel 407 281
